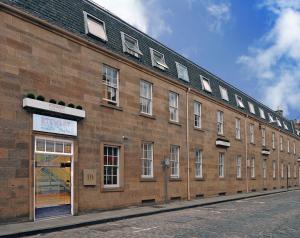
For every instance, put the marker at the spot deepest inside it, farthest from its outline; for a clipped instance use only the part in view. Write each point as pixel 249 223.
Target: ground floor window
pixel 274 169
pixel 147 159
pixel 198 164
pixel 239 167
pixel 252 167
pixel 282 171
pixel 174 161
pixel 221 164
pixel 111 166
pixel 264 169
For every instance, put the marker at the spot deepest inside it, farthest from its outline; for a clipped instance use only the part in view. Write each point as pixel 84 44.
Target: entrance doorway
pixel 53 177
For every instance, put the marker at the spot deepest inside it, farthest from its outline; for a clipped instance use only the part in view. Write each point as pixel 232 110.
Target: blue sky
pixel 252 44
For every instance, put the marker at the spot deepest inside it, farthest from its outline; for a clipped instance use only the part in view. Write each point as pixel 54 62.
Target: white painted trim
pixel 223 143
pixel 265 152
pixel 51 107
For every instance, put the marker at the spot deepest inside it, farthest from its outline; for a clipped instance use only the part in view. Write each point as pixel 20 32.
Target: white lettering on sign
pixel 54 125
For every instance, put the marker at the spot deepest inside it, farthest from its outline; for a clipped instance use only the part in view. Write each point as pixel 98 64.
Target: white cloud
pixel 147 16
pixel 276 62
pixel 220 14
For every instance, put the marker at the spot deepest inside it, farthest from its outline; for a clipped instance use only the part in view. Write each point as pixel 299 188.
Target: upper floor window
pixel 197 114
pixel 288 146
pixel 262 113
pixel 174 161
pixel 224 93
pixel 237 128
pixel 198 164
pixel 251 133
pixel 263 136
pixel 221 165
pixel 278 122
pixel 220 122
pixel 281 143
pixel 205 84
pixel 111 85
pixel 95 27
pixel 146 97
pixel 158 59
pixel 130 45
pixel 251 107
pixel 239 101
pixel 273 140
pixel 182 72
pixel 294 147
pixel 285 125
pixel 271 118
pixel 147 159
pixel 173 106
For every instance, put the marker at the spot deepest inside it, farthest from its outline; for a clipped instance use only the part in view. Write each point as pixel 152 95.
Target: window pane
pixel 50 146
pixel 96 28
pixel 59 147
pixel 40 145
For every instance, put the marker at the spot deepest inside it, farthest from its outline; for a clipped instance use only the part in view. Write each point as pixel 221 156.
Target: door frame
pixel 53 138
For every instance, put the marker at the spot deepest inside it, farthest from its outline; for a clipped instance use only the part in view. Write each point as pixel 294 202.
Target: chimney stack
pixel 279 112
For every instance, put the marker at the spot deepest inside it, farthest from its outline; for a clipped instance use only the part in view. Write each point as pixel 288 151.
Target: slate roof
pixel 68 14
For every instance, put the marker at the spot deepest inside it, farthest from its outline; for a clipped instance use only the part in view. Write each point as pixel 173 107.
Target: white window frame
pixel 174 161
pixel 238 128
pixel 264 166
pixel 136 52
pixel 146 99
pixel 161 63
pixel 221 164
pixel 251 133
pixel 118 167
pixel 295 170
pixel 239 101
pixel 274 169
pixel 294 147
pixel 289 170
pixel 281 143
pixel 251 107
pixel 174 108
pixel 285 125
pixel 278 122
pixel 88 17
pixel 198 164
pixel 110 86
pixel 262 113
pixel 252 167
pixel 220 123
pixel 197 114
pixel 271 118
pixel 224 93
pixel 282 170
pixel 288 146
pixel 263 136
pixel 273 140
pixel 182 72
pixel 205 86
pixel 239 166
pixel 144 158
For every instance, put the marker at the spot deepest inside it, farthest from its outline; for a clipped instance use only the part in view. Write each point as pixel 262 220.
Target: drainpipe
pixel 246 156
pixel 188 144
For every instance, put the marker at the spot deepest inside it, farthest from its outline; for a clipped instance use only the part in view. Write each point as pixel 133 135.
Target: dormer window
pixel 251 107
pixel 278 122
pixel 158 59
pixel 224 93
pixel 130 45
pixel 182 72
pixel 271 118
pixel 262 113
pixel 205 84
pixel 239 101
pixel 94 27
pixel 285 125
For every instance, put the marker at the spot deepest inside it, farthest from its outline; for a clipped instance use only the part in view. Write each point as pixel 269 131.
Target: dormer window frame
pixel 206 89
pixel 157 63
pixel 90 17
pixel 278 122
pixel 262 113
pixel 271 118
pixel 251 107
pixel 224 93
pixel 285 125
pixel 239 101
pixel 127 49
pixel 184 76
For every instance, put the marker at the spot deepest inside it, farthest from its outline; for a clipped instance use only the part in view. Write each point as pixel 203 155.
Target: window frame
pixel 263 136
pixel 285 125
pixel 278 122
pixel 223 91
pixel 239 101
pixel 251 108
pixel 273 140
pixel 281 143
pixel 288 146
pixel 197 117
pixel 118 167
pixel 179 73
pixel 264 167
pixel 142 81
pixel 161 65
pixel 221 165
pixel 282 170
pixel 251 133
pixel 117 88
pixel 252 167
pixel 209 89
pixel 220 122
pixel 271 118
pixel 237 128
pixel 126 49
pixel 176 107
pixel 97 20
pixel 274 169
pixel 143 159
pixel 239 167
pixel 198 164
pixel 176 161
pixel 262 113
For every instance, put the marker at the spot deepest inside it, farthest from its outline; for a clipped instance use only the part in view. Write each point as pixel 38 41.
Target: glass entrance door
pixel 52 177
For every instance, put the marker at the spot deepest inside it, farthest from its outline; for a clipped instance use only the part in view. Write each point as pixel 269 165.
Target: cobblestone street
pixel 275 215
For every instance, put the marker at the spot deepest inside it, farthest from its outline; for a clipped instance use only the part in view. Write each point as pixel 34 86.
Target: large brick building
pixel 95 115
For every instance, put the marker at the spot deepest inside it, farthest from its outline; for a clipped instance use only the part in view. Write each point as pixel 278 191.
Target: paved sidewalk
pixel 62 223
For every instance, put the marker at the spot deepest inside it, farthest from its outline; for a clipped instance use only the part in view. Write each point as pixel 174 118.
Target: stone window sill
pixel 175 179
pixel 175 123
pixel 116 189
pixel 199 179
pixel 144 179
pixel 198 129
pixel 147 116
pixel 111 106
